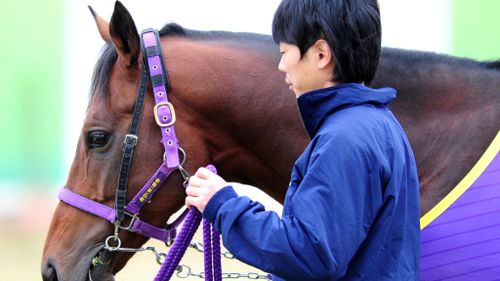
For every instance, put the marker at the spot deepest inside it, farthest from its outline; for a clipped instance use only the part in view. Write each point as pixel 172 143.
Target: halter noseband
pixel 164 114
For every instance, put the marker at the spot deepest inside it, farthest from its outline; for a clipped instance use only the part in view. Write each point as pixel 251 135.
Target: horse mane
pixel 174 29
pixel 413 56
pixel 102 69
pixel 492 64
pixel 254 41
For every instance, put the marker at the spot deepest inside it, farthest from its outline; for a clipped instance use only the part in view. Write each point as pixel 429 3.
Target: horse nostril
pixel 49 273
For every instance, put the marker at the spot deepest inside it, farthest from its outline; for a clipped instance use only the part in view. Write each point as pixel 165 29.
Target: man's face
pixel 302 75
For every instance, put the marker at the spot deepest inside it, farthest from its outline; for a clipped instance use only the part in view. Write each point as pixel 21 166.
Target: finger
pixel 192 191
pixel 204 173
pixel 189 202
pixel 192 202
pixel 195 181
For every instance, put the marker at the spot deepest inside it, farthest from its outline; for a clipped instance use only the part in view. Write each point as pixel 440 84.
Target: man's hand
pixel 202 186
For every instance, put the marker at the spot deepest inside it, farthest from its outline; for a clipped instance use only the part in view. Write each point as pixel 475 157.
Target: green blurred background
pixel 33 128
pixel 475 29
pixel 32 73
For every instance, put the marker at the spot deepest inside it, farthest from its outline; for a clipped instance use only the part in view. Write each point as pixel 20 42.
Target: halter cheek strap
pixel 154 70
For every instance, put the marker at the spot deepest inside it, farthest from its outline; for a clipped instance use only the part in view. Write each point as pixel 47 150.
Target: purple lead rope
pixel 216 255
pixel 180 245
pixel 207 250
pixel 211 248
pixel 211 252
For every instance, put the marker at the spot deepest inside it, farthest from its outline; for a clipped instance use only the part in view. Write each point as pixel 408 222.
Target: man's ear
pixel 124 35
pixel 102 25
pixel 323 54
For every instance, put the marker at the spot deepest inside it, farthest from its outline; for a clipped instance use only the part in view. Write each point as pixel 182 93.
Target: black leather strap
pixel 128 148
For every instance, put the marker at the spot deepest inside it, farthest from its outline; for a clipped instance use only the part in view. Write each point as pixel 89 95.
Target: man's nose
pixel 281 65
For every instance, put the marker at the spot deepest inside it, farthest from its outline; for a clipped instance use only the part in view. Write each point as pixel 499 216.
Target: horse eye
pixel 97 139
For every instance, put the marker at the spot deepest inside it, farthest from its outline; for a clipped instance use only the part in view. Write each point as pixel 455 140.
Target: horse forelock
pixel 102 71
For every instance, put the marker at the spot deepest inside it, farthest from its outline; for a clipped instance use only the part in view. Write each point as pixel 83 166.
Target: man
pixel 352 209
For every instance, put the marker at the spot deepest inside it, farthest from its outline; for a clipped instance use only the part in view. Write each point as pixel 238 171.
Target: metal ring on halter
pixel 110 248
pixel 169 243
pixel 132 220
pixel 183 153
pixel 184 173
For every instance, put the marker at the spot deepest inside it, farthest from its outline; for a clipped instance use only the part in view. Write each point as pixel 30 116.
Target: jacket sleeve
pixel 329 214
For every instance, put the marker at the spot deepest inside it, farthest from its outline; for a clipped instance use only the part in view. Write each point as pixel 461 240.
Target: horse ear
pixel 102 25
pixel 124 35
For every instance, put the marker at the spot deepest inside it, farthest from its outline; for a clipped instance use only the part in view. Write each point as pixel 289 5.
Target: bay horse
pixel 234 110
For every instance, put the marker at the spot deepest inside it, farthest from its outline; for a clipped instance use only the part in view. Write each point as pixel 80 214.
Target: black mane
pixel 174 29
pixel 102 70
pixel 435 58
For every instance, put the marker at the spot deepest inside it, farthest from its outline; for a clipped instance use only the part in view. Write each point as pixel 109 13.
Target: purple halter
pixel 164 114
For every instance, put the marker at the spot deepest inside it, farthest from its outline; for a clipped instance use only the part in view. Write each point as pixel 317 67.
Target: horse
pixel 235 111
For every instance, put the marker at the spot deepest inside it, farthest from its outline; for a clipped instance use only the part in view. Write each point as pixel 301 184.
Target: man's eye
pixel 97 139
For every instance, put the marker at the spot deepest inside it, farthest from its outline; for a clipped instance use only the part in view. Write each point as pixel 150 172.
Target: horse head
pixel 76 237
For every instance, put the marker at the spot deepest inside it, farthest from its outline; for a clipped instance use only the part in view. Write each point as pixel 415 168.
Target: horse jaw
pixel 68 251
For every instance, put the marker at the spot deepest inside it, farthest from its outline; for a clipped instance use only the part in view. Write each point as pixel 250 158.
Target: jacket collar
pixel 317 105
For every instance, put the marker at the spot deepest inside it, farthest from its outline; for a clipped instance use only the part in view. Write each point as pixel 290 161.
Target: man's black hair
pixel 351 28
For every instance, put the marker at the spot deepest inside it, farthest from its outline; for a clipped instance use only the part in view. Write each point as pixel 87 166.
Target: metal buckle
pixel 172 112
pixel 132 220
pixel 132 138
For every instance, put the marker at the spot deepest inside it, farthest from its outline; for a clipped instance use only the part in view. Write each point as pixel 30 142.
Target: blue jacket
pixel 351 211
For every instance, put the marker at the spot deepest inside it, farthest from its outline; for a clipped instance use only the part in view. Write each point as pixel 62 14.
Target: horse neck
pixel 449 108
pixel 252 134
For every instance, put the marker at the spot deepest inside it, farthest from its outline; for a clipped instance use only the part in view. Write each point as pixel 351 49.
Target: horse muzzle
pixel 83 270
pixel 49 271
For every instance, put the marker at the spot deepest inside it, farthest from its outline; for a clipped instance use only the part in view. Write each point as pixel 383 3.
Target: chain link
pixel 184 271
pixel 198 246
pixel 160 256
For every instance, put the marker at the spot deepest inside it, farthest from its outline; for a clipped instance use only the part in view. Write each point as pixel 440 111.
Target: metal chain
pixel 160 256
pixel 198 246
pixel 184 271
